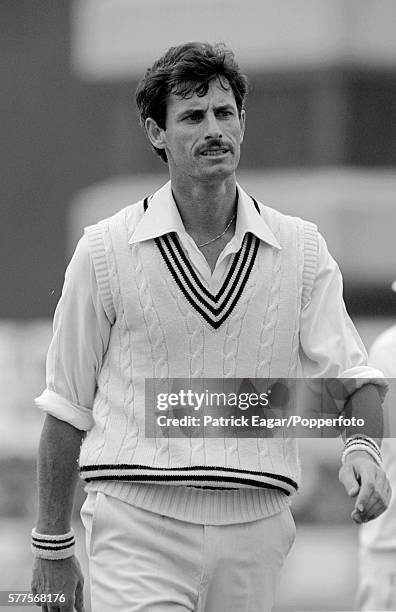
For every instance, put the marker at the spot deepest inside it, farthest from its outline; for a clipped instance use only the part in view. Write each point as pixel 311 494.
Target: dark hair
pixel 186 70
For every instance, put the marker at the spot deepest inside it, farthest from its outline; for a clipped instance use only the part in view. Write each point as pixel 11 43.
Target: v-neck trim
pixel 214 308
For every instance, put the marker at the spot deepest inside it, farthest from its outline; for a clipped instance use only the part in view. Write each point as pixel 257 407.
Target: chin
pixel 219 170
pixel 216 176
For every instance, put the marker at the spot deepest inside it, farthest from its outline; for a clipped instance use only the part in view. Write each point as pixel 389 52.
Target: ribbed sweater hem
pixel 215 475
pixel 195 505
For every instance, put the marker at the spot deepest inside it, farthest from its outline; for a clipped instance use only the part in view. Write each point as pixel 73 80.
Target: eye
pixel 225 113
pixel 194 117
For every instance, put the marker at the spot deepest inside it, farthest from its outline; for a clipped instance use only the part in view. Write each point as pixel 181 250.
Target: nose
pixel 212 127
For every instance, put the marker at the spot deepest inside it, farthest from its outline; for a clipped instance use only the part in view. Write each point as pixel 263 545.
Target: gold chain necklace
pixel 220 235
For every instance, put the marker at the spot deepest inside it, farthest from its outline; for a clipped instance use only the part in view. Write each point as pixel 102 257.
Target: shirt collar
pixel 162 217
pixel 250 220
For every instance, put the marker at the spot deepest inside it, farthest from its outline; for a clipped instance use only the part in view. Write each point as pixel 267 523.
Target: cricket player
pixel 197 280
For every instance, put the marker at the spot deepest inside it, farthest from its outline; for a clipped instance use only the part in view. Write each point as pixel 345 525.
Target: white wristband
pixel 53 547
pixel 360 446
pixel 364 440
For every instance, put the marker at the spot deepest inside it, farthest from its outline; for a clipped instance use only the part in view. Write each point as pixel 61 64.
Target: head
pixel 188 77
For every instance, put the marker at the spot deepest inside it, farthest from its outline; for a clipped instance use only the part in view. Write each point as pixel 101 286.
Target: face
pixel 202 136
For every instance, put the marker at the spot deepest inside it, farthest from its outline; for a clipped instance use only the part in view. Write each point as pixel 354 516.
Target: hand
pixel 365 480
pixel 60 576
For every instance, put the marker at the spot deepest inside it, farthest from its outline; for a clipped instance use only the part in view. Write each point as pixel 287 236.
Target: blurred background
pixel 320 143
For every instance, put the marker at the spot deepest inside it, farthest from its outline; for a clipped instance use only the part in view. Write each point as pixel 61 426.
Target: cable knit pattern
pixel 104 255
pixel 193 326
pixel 154 329
pixel 195 330
pixel 129 437
pixel 158 333
pixel 267 336
pixel 156 336
pixel 230 352
pixel 234 329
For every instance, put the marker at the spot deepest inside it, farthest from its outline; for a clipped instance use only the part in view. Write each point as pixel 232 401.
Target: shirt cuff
pixel 64 410
pixel 353 379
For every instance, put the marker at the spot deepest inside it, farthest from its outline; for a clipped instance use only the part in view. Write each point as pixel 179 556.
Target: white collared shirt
pixel 330 345
pixel 162 217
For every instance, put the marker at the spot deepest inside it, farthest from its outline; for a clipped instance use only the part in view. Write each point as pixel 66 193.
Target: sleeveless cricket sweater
pixel 166 324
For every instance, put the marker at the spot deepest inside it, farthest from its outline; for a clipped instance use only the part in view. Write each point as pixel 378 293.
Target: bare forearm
pixel 57 475
pixel 365 404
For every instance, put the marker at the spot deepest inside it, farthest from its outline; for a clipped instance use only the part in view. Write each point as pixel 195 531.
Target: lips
pixel 214 151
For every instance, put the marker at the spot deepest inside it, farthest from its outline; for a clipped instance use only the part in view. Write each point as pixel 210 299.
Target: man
pixel 196 281
pixel 377 585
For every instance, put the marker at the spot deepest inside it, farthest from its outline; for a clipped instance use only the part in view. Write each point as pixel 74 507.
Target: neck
pixel 205 208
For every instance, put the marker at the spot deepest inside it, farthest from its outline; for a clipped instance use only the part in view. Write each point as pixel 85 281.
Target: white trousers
pixel 144 562
pixel 377 580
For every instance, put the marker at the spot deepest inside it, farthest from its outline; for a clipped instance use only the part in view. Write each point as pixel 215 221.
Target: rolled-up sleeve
pixel 81 332
pixel 331 346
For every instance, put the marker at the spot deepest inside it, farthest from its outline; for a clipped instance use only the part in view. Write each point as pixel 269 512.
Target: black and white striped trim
pixel 188 475
pixel 54 547
pixel 215 309
pixel 365 443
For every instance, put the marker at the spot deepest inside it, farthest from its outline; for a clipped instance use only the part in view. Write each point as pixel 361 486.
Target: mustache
pixel 216 143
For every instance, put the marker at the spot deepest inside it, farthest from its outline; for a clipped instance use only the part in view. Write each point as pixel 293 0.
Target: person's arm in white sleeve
pixel 80 339
pixel 81 332
pixel 331 348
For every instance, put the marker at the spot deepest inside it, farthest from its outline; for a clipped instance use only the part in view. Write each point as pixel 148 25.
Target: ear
pixel 155 134
pixel 242 124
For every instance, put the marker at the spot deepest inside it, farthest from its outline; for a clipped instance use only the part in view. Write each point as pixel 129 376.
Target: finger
pixel 380 489
pixel 381 480
pixel 348 478
pixel 55 607
pixel 378 505
pixel 374 511
pixel 79 602
pixel 384 487
pixel 367 491
pixel 34 592
pixel 388 495
pixel 375 507
pixel 356 517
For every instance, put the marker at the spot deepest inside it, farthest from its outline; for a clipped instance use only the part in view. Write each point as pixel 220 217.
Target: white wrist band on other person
pixel 53 547
pixel 361 446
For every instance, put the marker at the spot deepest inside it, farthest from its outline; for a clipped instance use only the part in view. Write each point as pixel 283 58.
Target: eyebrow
pixel 197 109
pixel 226 106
